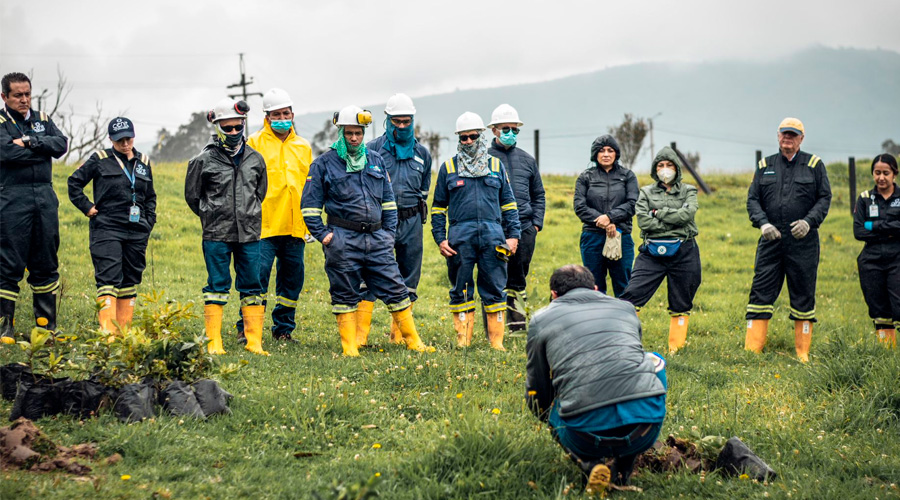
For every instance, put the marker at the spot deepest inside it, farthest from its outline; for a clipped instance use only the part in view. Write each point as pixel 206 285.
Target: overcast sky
pixel 162 60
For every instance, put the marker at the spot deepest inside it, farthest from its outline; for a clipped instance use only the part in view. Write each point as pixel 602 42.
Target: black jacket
pixel 885 226
pixel 112 190
pixel 31 165
pixel 786 191
pixel 613 193
pixel 227 197
pixel 526 183
pixel 584 350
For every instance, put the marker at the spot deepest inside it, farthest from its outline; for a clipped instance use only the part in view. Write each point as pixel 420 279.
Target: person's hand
pixel 446 251
pixel 92 212
pixel 769 232
pixel 611 231
pixel 537 229
pixel 327 239
pixel 868 225
pixel 19 142
pixel 309 238
pixel 799 229
pixel 513 244
pixel 602 221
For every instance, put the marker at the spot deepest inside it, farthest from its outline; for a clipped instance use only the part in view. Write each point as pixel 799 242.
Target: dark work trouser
pixel 218 256
pixel 119 259
pixel 619 270
pixel 796 260
pixel 681 271
pixel 879 277
pixel 517 271
pixel 475 244
pixel 408 250
pixel 287 254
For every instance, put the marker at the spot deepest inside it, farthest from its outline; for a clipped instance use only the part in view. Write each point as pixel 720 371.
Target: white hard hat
pixel 505 113
pixel 276 99
pixel 352 115
pixel 469 121
pixel 228 108
pixel 399 105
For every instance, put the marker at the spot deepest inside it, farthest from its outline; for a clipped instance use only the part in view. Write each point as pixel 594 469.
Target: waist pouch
pixel 664 249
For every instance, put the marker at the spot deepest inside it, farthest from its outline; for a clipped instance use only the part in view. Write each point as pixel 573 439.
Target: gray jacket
pixel 584 350
pixel 227 198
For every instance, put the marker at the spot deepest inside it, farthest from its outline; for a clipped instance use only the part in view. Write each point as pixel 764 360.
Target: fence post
pixel 537 147
pixel 851 171
pixel 758 159
pixel 690 168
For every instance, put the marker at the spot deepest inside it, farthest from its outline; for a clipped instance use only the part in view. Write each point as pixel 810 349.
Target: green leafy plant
pixel 40 356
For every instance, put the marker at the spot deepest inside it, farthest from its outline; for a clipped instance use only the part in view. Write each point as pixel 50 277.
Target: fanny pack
pixel 664 249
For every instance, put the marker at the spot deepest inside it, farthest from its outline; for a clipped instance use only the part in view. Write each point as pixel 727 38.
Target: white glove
pixel 309 238
pixel 770 233
pixel 612 249
pixel 799 229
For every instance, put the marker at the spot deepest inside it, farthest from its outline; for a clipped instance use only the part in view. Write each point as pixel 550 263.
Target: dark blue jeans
pixel 286 252
pixel 593 446
pixel 218 256
pixel 593 259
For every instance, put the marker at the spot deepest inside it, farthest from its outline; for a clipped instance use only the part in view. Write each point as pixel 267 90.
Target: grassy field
pixel 308 423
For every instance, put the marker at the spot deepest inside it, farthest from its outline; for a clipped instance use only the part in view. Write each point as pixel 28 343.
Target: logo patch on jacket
pixel 460 182
pixel 769 172
pixel 895 203
pixel 38 127
pixel 139 169
pixel 419 160
pixel 375 168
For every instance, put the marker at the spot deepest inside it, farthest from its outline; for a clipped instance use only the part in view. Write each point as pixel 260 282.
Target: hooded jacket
pixel 674 209
pixel 526 183
pixel 598 192
pixel 584 350
pixel 287 165
pixel 227 197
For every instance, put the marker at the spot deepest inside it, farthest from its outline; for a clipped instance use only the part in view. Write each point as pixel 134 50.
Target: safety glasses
pixel 401 122
pixel 506 130
pixel 470 137
pixel 231 128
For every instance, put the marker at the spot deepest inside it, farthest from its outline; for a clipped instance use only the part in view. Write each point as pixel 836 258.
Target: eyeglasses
pixel 506 130
pixel 470 137
pixel 401 122
pixel 231 128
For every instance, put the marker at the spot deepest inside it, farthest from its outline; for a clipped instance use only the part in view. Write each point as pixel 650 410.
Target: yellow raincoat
pixel 287 165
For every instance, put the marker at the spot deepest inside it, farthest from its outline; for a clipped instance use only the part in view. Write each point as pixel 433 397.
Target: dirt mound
pixel 24 446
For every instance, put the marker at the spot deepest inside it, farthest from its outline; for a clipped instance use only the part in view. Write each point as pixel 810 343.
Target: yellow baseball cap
pixel 791 125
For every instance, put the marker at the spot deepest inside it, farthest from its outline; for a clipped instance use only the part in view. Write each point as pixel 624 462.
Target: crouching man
pixel 589 378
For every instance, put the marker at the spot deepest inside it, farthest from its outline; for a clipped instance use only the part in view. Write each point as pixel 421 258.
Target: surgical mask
pixel 666 175
pixel 508 138
pixel 281 126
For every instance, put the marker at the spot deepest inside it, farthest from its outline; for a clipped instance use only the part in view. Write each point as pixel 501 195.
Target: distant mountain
pixel 848 99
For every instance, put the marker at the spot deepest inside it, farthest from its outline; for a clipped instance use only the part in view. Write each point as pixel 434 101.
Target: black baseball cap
pixel 120 127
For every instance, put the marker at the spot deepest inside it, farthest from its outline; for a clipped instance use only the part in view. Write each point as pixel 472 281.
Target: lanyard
pixel 131 178
pixel 13 120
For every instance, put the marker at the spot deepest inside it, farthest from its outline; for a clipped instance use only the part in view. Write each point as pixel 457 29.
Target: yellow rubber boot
pixel 347 328
pixel 212 317
pixel 125 312
pixel 407 325
pixel 253 327
pixel 802 339
pixel 363 322
pixel 107 313
pixel 678 327
pixel 887 336
pixel 598 482
pixel 460 324
pixel 495 329
pixel 396 336
pixel 757 329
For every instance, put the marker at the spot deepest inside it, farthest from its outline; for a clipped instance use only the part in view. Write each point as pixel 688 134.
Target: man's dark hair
pixel 11 78
pixel 569 277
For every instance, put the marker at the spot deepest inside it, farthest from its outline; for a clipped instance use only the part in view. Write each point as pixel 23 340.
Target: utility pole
pixel 652 148
pixel 243 83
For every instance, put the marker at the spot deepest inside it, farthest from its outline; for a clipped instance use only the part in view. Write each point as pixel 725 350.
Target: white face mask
pixel 666 175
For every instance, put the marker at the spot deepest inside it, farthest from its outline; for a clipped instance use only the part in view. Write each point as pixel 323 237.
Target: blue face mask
pixel 508 138
pixel 281 126
pixel 403 135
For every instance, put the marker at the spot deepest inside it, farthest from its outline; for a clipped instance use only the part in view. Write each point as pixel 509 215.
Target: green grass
pixel 307 422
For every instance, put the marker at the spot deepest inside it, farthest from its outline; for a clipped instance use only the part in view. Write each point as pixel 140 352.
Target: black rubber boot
pixel 621 470
pixel 45 310
pixel 7 313
pixel 515 319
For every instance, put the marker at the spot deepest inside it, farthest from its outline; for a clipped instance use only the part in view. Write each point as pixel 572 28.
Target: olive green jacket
pixel 674 209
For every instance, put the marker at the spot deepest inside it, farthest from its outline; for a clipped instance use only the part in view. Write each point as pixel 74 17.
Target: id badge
pixel 873 211
pixel 134 214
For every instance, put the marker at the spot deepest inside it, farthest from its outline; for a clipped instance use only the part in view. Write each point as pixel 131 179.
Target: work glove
pixel 770 233
pixel 612 249
pixel 799 229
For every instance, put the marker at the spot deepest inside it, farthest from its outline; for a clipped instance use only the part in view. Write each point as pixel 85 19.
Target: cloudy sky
pixel 161 60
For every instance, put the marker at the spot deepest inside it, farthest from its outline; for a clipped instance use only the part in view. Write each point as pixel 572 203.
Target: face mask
pixel 507 138
pixel 281 126
pixel 666 175
pixel 469 148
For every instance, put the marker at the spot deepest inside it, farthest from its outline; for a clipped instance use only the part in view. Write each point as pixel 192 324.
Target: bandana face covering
pixel 354 156
pixel 473 158
pixel 401 140
pixel 231 143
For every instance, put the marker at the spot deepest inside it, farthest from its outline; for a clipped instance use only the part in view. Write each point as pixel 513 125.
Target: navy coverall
pixel 118 246
pixel 362 216
pixel 411 180
pixel 782 192
pixel 879 261
pixel 483 215
pixel 29 222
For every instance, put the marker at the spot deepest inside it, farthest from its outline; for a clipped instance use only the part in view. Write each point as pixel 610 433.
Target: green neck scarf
pixel 354 157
